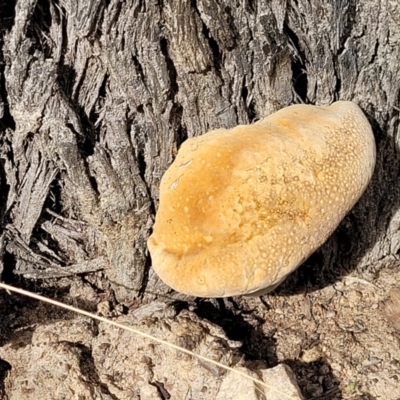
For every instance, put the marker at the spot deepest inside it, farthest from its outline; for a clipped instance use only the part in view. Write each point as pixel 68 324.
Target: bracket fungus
pixel 241 208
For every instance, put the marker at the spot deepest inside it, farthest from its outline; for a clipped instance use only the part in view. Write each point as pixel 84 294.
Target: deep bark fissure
pixel 299 68
pixel 39 27
pixel 174 87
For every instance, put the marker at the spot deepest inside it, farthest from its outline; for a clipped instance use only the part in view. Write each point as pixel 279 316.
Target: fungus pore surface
pixel 242 208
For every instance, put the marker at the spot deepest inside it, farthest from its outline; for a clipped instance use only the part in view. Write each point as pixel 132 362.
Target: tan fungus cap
pixel 241 208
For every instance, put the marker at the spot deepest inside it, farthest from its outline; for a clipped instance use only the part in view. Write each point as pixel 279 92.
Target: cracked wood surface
pixel 96 97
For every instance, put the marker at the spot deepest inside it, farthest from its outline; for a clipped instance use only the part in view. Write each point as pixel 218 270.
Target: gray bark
pixel 96 97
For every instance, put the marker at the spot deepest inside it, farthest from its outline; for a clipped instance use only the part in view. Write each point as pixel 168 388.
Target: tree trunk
pixel 96 97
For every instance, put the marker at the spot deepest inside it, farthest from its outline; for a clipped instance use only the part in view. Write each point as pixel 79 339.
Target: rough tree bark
pixel 97 95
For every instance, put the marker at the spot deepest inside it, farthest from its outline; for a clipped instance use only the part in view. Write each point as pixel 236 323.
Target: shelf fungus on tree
pixel 241 208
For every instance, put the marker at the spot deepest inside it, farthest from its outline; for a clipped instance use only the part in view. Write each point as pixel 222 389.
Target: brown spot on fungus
pixel 267 194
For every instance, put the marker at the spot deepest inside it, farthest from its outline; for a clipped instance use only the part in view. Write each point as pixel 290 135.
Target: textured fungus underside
pixel 240 209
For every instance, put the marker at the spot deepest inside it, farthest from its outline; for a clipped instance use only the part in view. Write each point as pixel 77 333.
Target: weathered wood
pixel 96 97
